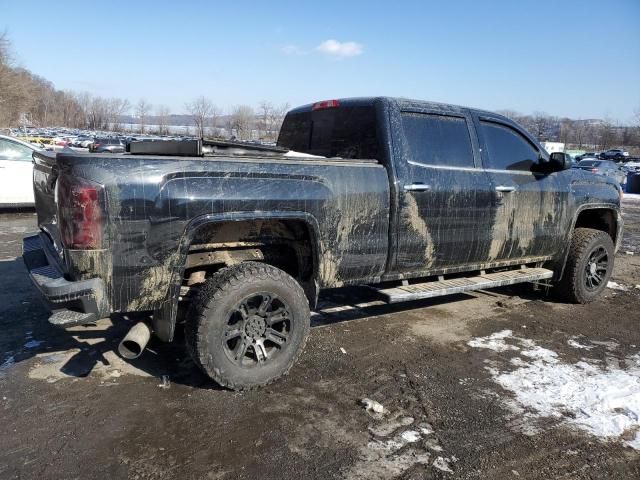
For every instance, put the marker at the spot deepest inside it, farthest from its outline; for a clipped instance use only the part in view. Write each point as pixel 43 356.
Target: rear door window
pixel 438 139
pixel 507 149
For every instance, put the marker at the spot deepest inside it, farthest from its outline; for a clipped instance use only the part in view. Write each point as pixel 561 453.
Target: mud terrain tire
pixel 578 284
pixel 237 340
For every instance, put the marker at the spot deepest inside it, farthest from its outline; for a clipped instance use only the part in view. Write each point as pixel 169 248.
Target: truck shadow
pixel 53 354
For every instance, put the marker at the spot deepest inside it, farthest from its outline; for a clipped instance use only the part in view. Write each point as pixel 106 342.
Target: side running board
pixel 462 284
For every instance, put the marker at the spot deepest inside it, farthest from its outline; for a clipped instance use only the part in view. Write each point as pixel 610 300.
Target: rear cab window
pixel 344 131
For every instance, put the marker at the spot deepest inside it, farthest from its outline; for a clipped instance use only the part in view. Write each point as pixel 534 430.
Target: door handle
pixel 417 187
pixel 505 188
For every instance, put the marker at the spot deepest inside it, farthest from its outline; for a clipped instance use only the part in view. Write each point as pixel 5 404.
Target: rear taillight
pixel 80 206
pixel 325 104
pixel 594 170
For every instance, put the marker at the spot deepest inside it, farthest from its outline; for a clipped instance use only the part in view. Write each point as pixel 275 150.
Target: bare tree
pixel 270 119
pixel 213 121
pixel 511 114
pixel 142 112
pixel 277 119
pixel 265 112
pixel 240 121
pixel 541 123
pixel 162 113
pixel 200 109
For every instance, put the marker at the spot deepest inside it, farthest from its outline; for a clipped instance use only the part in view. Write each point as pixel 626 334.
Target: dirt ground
pixel 70 408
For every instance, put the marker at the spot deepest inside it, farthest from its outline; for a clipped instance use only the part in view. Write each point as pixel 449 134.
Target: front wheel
pixel 247 325
pixel 589 265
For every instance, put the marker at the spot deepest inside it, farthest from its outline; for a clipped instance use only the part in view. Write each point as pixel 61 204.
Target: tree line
pixel 593 134
pixel 28 99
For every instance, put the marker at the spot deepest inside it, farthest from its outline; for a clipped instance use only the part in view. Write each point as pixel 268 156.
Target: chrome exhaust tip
pixel 134 342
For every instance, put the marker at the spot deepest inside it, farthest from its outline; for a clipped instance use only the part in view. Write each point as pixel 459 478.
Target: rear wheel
pixel 589 266
pixel 247 325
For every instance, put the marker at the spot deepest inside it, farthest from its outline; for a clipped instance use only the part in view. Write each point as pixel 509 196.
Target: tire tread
pixel 568 287
pixel 217 287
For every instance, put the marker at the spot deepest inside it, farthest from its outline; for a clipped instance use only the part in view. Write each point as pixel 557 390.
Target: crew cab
pixel 413 199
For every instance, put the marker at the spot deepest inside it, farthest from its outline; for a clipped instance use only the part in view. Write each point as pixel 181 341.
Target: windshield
pixel 346 132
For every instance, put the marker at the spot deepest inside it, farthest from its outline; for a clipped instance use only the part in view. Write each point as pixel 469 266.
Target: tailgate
pixel 45 176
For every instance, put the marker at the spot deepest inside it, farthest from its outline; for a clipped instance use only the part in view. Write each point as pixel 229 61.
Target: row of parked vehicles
pixel 614 163
pixel 16 156
pixel 94 140
pixel 615 154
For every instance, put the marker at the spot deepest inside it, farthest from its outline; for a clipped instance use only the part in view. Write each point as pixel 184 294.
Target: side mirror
pixel 559 161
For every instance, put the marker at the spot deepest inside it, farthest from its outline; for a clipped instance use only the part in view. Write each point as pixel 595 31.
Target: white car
pixel 16 172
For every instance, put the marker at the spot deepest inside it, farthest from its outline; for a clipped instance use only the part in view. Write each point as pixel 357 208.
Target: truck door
pixel 443 217
pixel 530 205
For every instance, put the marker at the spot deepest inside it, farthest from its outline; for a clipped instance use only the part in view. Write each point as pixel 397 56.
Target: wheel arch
pixel 164 320
pixel 604 217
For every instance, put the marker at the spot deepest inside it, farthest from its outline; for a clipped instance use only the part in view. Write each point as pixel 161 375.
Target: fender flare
pixel 591 206
pixel 164 319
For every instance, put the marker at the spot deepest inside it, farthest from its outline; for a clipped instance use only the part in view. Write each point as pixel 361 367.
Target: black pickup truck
pixel 414 199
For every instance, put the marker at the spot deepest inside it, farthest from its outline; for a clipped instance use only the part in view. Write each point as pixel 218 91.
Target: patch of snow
pixel 635 443
pixel 495 341
pixel 442 464
pixel 603 401
pixel 541 353
pixel 631 197
pixel 372 405
pixel 410 436
pixel 617 286
pixel 572 342
pixel 390 426
pixel 397 443
pixel 33 344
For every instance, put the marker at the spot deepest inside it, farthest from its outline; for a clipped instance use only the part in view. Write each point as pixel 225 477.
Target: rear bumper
pixel 71 302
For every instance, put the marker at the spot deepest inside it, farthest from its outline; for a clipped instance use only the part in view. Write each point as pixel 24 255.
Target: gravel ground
pixel 70 408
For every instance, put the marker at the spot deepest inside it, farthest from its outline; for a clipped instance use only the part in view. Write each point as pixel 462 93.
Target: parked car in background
pixel 107 145
pixel 604 167
pixel 16 172
pixel 83 141
pixel 586 155
pixel 614 154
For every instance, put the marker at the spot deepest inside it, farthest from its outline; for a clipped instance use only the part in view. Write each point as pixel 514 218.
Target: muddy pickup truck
pixel 412 199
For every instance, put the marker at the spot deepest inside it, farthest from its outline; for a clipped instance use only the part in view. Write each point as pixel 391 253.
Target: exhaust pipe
pixel 134 343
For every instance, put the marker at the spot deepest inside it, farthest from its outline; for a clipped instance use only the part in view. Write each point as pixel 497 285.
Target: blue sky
pixel 570 58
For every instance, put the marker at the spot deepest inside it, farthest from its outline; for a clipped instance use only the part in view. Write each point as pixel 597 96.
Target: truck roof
pixel 403 103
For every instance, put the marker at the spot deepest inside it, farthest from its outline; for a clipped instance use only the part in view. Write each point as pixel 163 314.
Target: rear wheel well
pixel 602 219
pixel 283 243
